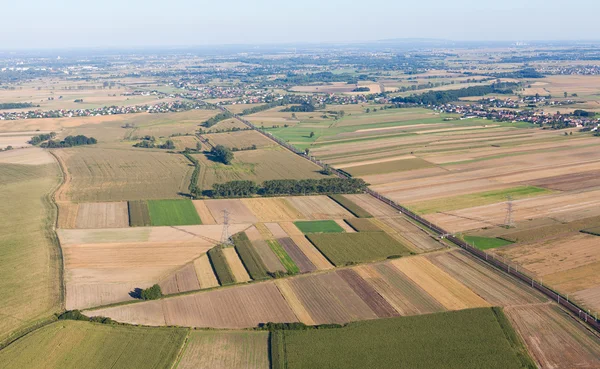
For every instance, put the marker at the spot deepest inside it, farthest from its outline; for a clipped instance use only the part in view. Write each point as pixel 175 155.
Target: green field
pixel 250 258
pixel 283 256
pixel 220 266
pixel 30 260
pixel 139 215
pixel 351 206
pixel 319 226
pixel 71 344
pixel 476 338
pixel 484 243
pixel 476 199
pixel 363 225
pixel 389 167
pixel 173 213
pixel 351 248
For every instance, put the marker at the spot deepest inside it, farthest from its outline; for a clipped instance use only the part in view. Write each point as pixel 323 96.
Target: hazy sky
pixel 81 23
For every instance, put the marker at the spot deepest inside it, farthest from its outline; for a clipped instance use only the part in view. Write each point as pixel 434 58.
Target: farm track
pixel 561 300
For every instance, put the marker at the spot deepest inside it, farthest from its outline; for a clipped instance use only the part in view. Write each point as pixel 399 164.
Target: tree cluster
pixel 149 142
pixel 222 154
pixel 444 97
pixel 289 187
pixel 70 141
pixel 217 118
pixel 151 293
pixel 35 140
pixel 304 108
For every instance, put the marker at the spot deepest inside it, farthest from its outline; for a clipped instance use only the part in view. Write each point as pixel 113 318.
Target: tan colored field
pixel 30 156
pixel 238 211
pixel 237 268
pixel 237 307
pixel 204 212
pixel 103 174
pixel 182 280
pixel 554 339
pixel 183 142
pixel 408 233
pixel 294 302
pixel 204 271
pixel 447 290
pixel 67 214
pixel 239 139
pixel 315 257
pixel 318 207
pixel 102 215
pixel 290 229
pixel 276 230
pixel 272 209
pixel 226 350
pixel 228 124
pixel 271 261
pixel 345 226
pixel 372 205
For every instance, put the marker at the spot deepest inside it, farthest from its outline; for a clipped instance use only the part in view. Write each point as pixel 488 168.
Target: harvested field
pixel 220 263
pixel 319 226
pixel 301 260
pixel 408 233
pixel 368 294
pixel 448 291
pixel 318 207
pixel 104 174
pixel 315 257
pixel 401 165
pixel 237 268
pixel 249 257
pixel 173 213
pixel 294 302
pixel 570 182
pixel 496 288
pixel 400 291
pixel 236 307
pixel 272 209
pixel 345 226
pixel 268 257
pixel 183 142
pixel 363 225
pixel 184 280
pixel 350 206
pixel 238 212
pixel 371 205
pixel 226 350
pixel 526 233
pixel 74 345
pixel 329 299
pixel 350 248
pixel 554 339
pixel 205 216
pixel 290 229
pixel 139 215
pixel 30 156
pixel 239 139
pixel 276 230
pixel 283 256
pixel 204 271
pixel 102 215
pixel 67 214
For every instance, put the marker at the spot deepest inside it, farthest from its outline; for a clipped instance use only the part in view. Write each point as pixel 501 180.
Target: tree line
pixel 444 97
pixel 70 141
pixel 36 140
pixel 286 187
pixel 217 118
pixel 5 106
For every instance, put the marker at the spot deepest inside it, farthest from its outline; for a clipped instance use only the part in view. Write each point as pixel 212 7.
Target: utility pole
pixel 225 238
pixel 508 219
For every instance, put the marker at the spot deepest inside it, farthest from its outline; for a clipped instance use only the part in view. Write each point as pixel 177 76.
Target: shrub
pixel 151 293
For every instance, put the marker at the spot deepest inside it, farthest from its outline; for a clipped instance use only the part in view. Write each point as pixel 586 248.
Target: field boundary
pixel 489 259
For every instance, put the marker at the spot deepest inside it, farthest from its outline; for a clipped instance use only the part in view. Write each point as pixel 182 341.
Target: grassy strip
pixel 173 212
pixel 349 205
pixel 252 261
pixel 195 173
pixel 139 215
pixel 319 226
pixel 363 225
pixel 484 243
pixel 287 262
pixel 277 350
pixel 514 340
pixel 350 248
pixel 220 266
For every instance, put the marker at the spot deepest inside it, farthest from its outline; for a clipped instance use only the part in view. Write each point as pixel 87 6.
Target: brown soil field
pixel 168 286
pixel 239 272
pixel 368 294
pixel 67 214
pixel 238 211
pixel 294 302
pixel 447 290
pixel 400 291
pixel 103 215
pixel 235 307
pixel 409 233
pixel 276 230
pixel 271 261
pixel 496 288
pixel 103 174
pixel 204 212
pixel 554 339
pixel 272 209
pixel 296 254
pixel 372 205
pixel 226 350
pixel 182 280
pixel 204 271
pixel 30 156
pixel 264 231
pixel 329 299
pixel 589 297
pixel 372 162
pixel 311 252
pixel 240 139
pixel 402 165
pixel 100 274
pixel 570 182
pixel 318 207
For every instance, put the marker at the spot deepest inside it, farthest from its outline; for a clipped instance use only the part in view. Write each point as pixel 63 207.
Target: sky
pixel 123 23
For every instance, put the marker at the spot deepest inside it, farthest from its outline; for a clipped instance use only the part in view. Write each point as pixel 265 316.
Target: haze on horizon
pixel 112 23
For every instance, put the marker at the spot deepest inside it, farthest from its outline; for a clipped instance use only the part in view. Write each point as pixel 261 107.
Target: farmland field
pixel 350 248
pixel 319 226
pixel 239 139
pixel 223 271
pixel 351 206
pixel 363 225
pixel 471 339
pixel 249 256
pixel 283 256
pixel 212 350
pixel 172 212
pixel 73 344
pixel 484 243
pixel 102 215
pixel 139 216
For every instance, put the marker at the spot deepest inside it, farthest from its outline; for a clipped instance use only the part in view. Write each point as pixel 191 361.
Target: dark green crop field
pixel 139 215
pixel 319 226
pixel 173 212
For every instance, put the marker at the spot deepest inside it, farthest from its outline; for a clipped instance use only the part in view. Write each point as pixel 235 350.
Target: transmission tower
pixel 225 238
pixel 508 220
